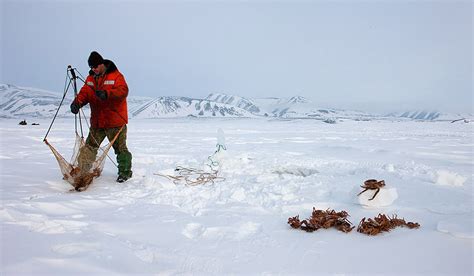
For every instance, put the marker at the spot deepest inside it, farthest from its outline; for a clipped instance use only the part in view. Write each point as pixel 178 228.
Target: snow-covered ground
pixel 273 169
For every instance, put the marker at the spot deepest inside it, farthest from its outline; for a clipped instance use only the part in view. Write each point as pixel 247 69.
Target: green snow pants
pixel 88 153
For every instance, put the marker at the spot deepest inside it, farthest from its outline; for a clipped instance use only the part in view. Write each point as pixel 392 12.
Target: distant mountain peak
pixel 417 114
pixel 298 99
pixel 237 101
pixel 430 115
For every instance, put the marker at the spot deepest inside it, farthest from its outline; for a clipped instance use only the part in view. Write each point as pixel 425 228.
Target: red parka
pixel 111 112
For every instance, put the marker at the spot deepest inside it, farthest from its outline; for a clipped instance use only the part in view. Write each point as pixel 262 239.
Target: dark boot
pixel 121 178
pixel 124 160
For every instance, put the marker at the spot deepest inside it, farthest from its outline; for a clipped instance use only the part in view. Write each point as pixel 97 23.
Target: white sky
pixel 381 55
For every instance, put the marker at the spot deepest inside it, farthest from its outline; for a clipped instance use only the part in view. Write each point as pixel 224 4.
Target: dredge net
pixel 81 174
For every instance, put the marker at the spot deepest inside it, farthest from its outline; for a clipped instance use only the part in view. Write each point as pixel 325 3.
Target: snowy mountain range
pixel 21 102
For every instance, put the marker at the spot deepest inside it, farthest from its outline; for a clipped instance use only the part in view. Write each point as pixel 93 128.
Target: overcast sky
pixel 344 54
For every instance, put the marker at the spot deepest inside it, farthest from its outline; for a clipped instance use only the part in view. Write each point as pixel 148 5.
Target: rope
pixel 214 163
pixel 194 177
pixel 73 78
pixel 82 77
pixel 60 104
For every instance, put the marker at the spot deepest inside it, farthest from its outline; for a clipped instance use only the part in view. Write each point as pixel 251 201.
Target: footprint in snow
pixel 72 249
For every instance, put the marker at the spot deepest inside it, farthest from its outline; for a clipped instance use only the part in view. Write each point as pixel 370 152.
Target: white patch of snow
pixel 447 178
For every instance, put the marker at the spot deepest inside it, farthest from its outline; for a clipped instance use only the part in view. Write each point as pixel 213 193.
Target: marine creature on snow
pixel 323 219
pixel 383 223
pixel 372 184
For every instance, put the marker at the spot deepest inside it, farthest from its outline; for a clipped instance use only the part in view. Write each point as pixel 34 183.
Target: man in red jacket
pixel 106 91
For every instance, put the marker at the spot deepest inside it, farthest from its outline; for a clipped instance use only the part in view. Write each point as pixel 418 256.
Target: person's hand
pixel 75 107
pixel 101 94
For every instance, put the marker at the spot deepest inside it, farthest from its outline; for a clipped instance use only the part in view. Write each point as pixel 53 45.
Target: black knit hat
pixel 95 59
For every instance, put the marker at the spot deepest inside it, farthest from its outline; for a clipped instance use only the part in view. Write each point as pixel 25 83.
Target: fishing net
pixel 209 173
pixel 81 173
pixel 84 165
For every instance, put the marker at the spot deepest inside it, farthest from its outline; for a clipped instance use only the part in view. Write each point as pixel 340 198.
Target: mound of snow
pixel 448 178
pixel 385 197
pixel 193 230
pixel 389 167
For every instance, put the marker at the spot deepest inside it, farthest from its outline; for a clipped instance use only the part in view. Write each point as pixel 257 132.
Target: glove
pixel 75 107
pixel 101 94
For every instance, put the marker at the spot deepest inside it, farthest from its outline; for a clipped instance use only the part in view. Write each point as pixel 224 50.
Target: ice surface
pixel 458 226
pixel 273 169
